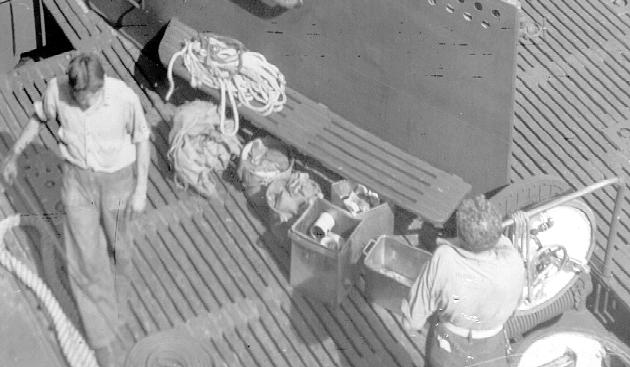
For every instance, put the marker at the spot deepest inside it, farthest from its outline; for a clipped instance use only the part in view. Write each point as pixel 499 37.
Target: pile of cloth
pixel 198 149
pixel 355 198
pixel 288 198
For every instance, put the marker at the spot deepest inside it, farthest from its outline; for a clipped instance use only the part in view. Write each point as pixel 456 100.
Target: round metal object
pixel 571 347
pixel 168 349
pixel 571 291
pixel 574 229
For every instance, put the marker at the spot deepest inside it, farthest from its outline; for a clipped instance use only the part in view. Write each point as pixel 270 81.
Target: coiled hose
pixel 73 345
pixel 223 63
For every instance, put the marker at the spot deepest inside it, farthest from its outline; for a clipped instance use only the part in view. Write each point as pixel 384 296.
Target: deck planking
pixel 196 258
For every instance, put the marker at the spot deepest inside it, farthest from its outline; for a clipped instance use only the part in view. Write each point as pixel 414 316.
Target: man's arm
pixel 140 133
pixel 423 298
pixel 143 159
pixel 9 163
pixel 27 136
pixel 45 110
pixel 138 200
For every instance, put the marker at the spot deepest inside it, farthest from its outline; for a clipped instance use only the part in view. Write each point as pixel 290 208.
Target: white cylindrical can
pixel 331 241
pixel 322 225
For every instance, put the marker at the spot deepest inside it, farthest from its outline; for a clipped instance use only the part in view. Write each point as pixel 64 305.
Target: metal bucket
pixel 391 267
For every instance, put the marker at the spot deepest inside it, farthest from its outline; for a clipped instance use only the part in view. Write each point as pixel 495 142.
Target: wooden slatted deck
pixel 217 265
pixel 571 99
pixel 200 260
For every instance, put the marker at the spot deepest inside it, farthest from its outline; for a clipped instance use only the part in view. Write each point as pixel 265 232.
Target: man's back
pixel 477 291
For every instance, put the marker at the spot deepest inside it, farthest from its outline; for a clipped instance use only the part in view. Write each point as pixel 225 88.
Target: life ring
pixel 577 347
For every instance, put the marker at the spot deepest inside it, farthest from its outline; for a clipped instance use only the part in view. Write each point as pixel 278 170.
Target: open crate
pixel 324 273
pixel 391 267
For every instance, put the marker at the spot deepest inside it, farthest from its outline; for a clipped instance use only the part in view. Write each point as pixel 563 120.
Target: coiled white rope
pixel 521 241
pixel 72 343
pixel 244 76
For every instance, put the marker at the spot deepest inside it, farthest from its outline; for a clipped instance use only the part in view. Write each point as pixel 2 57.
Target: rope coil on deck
pixel 172 348
pixel 244 76
pixel 72 343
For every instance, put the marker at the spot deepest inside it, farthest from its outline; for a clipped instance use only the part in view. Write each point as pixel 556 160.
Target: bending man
pixel 104 144
pixel 474 283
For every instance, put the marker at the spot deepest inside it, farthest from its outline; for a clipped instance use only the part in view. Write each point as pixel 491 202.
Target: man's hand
pixel 9 168
pixel 413 333
pixel 135 205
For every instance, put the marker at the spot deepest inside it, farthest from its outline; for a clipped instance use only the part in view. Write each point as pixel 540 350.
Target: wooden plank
pixel 596 55
pixel 380 340
pixel 374 176
pixel 45 135
pixel 240 245
pixel 19 114
pixel 233 260
pixel 170 295
pixel 238 285
pixel 39 87
pixel 82 13
pixel 260 352
pixel 64 11
pixel 197 292
pixel 365 341
pixel 225 289
pixel 227 354
pixel 237 345
pixel 143 318
pixel 9 121
pixel 336 332
pixel 558 44
pixel 174 278
pixel 65 22
pixel 389 329
pixel 203 277
pixel 294 356
pixel 151 293
pixel 270 344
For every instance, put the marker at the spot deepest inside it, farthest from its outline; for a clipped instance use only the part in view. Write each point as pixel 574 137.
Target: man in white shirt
pixel 474 283
pixel 104 142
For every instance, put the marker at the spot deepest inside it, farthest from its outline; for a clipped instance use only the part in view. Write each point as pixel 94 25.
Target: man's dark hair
pixel 478 224
pixel 85 73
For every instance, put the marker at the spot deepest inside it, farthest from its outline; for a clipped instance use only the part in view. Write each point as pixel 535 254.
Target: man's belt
pixel 475 334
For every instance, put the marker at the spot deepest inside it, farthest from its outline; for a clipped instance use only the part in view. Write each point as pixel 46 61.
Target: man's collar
pixel 107 94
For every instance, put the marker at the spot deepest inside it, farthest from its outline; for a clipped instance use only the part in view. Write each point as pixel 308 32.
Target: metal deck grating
pixel 209 263
pixel 572 85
